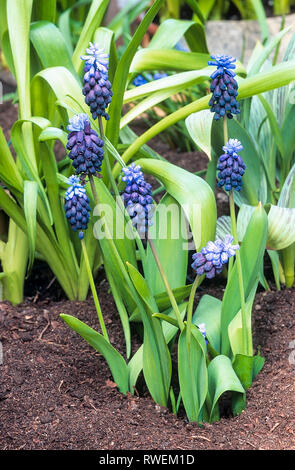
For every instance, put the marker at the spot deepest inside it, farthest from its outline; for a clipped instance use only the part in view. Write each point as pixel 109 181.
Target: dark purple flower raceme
pixel 77 207
pixel 231 166
pixel 213 256
pixel 97 88
pixel 86 148
pixel 137 197
pixel 224 87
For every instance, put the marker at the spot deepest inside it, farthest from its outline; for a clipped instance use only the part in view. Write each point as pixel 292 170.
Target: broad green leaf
pixel 169 241
pixel 192 372
pixel 223 226
pixel 251 252
pixel 121 310
pixel 30 210
pixel 157 366
pixel 117 365
pixel 167 59
pixel 191 192
pixel 287 196
pixel 235 331
pixel 184 79
pixel 199 127
pixel 281 228
pixel 251 178
pixel 246 368
pixel 208 311
pixel 169 331
pixel 221 378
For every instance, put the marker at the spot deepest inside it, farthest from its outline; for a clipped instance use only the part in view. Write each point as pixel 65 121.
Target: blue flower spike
pixel 97 88
pixel 213 256
pixel 137 198
pixel 77 207
pixel 224 87
pixel 231 166
pixel 86 148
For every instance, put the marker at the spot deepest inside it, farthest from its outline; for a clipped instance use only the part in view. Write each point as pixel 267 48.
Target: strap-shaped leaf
pixel 30 209
pixel 199 126
pixel 114 359
pixel 221 378
pixel 169 331
pixel 156 357
pixel 281 225
pixel 208 311
pixel 192 372
pixel 44 33
pixel 223 226
pixel 251 252
pixel 192 193
pixel 166 232
pixel 9 172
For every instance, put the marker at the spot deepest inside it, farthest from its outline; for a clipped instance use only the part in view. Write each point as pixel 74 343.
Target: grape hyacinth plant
pixel 231 166
pixel 97 87
pixel 224 87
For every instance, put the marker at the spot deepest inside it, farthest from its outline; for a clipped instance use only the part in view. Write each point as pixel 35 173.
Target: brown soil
pixel 57 393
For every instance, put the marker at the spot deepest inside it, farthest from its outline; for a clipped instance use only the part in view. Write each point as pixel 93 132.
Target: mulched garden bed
pixel 57 393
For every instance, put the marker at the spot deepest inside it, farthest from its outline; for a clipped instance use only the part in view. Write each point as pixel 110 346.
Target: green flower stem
pixel 166 284
pixel 238 256
pixel 94 293
pixel 190 307
pixel 225 129
pixel 240 272
pixel 107 160
pixel 118 196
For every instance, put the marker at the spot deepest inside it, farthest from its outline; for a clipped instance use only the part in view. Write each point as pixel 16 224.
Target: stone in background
pixel 227 36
